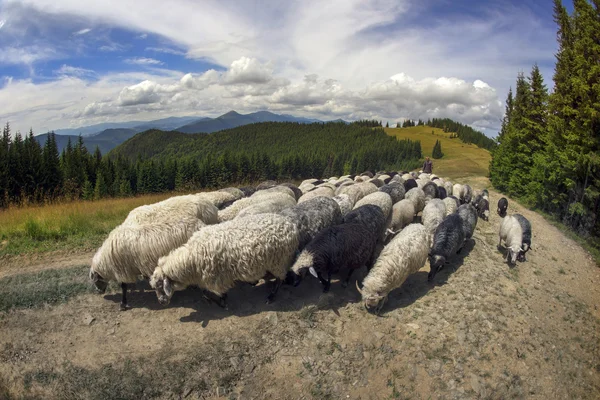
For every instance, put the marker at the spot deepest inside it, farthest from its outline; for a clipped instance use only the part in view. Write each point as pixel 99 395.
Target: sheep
pixel 395 190
pixel 217 256
pixel 468 215
pixel 233 210
pixel 379 199
pixel 414 174
pixel 218 199
pixel 404 255
pixel 448 239
pixel 456 200
pixel 384 177
pixel 377 182
pixel 134 247
pixel 526 236
pixel 306 187
pixel 248 191
pixel 451 206
pixel 433 214
pixel 421 182
pixel 417 196
pixel 237 193
pixel 502 206
pixel 308 181
pixel 266 185
pixel 482 206
pixel 270 204
pixel 457 190
pixel 406 176
pixel 328 185
pixel 403 214
pixel 318 182
pixel 448 186
pixel 317 192
pixel 345 247
pixel 485 194
pixel 466 194
pixel 371 216
pixel 410 184
pixel 442 194
pixel 275 189
pixel 367 173
pixel 511 233
pixel 398 178
pixel 344 202
pixel 293 188
pixel 431 190
pixel 358 191
pixel 313 216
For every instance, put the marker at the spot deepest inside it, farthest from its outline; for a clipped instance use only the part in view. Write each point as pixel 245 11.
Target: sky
pixel 71 63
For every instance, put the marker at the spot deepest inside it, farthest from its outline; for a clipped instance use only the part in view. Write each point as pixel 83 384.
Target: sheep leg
pixel 124 306
pixel 345 282
pixel 222 301
pixel 326 283
pixel 276 287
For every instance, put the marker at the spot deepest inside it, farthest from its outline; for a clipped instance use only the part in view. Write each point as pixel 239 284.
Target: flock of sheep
pixel 282 232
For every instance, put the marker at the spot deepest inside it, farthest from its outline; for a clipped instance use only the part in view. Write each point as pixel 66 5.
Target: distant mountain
pixel 167 124
pixel 105 140
pixel 234 119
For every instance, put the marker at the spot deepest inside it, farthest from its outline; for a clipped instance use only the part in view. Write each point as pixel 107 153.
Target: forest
pixel 548 152
pixel 157 161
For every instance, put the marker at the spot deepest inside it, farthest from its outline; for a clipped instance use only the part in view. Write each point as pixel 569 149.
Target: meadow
pixel 460 160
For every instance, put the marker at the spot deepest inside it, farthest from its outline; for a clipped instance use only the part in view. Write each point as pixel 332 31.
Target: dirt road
pixel 483 330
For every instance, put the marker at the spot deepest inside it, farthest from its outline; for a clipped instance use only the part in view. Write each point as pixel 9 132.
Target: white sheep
pixel 379 199
pixel 449 187
pixel 433 214
pixel 218 198
pixel 319 191
pixel 167 210
pixel 451 206
pixel 403 213
pixel 457 191
pixel 217 256
pixel 237 193
pixel 307 187
pixel 404 255
pixel 233 210
pixel 133 248
pixel 417 196
pixel 270 204
pixel 346 204
pixel 511 233
pixel 407 177
pixel 275 189
pixel 358 190
pixel 308 181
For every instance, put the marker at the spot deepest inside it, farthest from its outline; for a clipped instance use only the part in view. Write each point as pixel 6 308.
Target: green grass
pixel 460 160
pixel 75 225
pixel 45 287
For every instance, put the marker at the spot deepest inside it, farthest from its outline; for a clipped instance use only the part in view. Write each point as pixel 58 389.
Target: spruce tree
pixel 437 150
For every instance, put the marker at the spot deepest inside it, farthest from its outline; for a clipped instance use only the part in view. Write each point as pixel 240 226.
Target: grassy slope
pixel 460 160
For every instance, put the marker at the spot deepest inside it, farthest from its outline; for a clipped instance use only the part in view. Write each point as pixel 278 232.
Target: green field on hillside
pixel 460 160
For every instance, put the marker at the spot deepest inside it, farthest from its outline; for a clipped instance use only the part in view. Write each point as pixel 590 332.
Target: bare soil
pixel 483 330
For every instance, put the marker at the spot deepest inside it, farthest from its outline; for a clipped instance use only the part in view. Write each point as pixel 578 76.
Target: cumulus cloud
pixel 248 71
pixel 143 61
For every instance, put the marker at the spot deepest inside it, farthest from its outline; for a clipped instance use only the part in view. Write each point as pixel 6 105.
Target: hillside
pixel 105 140
pixel 149 144
pixel 460 159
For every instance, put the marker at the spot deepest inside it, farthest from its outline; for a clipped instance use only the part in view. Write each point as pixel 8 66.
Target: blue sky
pixel 69 63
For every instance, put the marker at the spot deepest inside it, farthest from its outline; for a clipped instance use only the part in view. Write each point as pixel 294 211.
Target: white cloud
pixel 74 71
pixel 142 36
pixel 248 70
pixel 82 32
pixel 2 22
pixel 143 61
pixel 166 50
pixel 27 55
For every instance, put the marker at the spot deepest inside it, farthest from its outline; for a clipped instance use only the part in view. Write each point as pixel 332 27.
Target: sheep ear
pixel 167 287
pixel 313 272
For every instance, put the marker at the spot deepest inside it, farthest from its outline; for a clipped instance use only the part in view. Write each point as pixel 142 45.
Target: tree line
pixel 464 132
pixel 548 150
pixel 31 173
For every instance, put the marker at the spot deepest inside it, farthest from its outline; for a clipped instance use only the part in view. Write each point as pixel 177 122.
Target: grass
pixel 45 287
pixel 75 225
pixel 460 160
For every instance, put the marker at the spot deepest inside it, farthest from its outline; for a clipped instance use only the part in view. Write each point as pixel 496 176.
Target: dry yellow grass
pixel 80 224
pixel 460 160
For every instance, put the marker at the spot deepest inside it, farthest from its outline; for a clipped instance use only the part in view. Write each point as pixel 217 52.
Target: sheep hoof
pixel 124 307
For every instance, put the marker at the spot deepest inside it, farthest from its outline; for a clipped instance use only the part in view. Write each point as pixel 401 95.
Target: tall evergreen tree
pixel 52 173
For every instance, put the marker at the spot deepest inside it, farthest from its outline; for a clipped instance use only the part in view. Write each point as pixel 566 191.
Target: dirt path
pixel 14 265
pixel 483 330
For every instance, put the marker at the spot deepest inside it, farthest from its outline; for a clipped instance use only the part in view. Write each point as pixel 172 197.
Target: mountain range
pixel 107 136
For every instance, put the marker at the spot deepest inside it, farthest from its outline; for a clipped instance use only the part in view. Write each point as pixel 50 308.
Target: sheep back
pixel 344 202
pixel 451 206
pixel 433 214
pixel 468 215
pixel 403 213
pixel 417 196
pixel 370 216
pixel 323 191
pixel 395 190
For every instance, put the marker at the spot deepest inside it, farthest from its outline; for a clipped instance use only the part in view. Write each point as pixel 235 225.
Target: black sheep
pixel 409 184
pixel 448 239
pixel 442 194
pixel 526 236
pixel 502 206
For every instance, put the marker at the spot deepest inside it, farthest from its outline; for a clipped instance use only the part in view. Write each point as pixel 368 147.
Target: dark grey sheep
pixel 370 216
pixel 526 235
pixel 297 192
pixel 367 173
pixel 395 190
pixel 377 182
pixel 448 239
pixel 442 194
pixel 345 247
pixel 312 216
pixel 320 181
pixel 468 215
pixel 266 185
pixel 409 184
pixel 482 206
pixel 502 207
pixel 431 190
pixel 247 190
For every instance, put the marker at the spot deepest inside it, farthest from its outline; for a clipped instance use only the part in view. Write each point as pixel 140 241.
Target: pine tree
pixel 437 150
pixel 100 190
pixel 52 174
pixel 5 143
pixel 387 124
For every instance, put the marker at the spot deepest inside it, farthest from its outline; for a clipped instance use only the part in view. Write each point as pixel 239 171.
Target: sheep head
pixel 436 263
pixel 373 301
pixel 99 282
pixel 512 254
